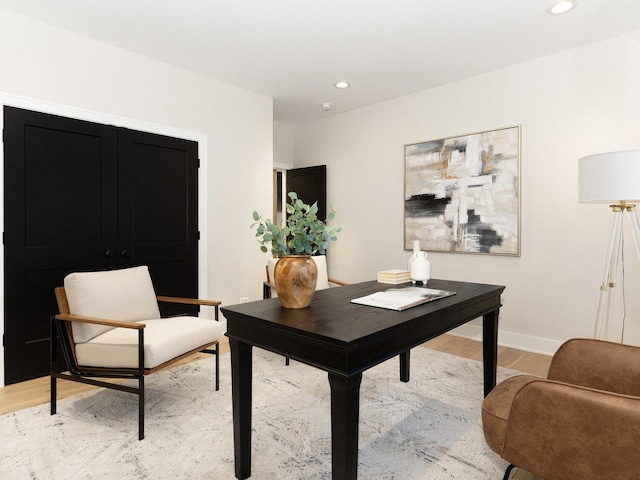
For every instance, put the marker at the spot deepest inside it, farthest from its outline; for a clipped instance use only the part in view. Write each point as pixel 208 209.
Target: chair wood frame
pixel 61 328
pixel 268 284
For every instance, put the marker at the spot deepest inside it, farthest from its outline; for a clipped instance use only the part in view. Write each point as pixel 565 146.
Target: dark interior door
pixel 78 198
pixel 310 183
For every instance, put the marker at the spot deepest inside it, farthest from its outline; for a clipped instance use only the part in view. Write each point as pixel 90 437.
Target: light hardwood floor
pixel 35 392
pixel 526 362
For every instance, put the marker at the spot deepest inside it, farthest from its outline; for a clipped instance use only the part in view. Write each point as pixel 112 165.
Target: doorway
pixel 310 183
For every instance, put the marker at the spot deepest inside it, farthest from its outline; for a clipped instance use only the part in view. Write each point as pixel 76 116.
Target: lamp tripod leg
pixel 635 229
pixel 606 297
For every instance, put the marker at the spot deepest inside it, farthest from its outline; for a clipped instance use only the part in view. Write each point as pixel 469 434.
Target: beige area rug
pixel 429 428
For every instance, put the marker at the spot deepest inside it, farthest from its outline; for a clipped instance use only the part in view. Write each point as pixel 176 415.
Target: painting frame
pixel 462 193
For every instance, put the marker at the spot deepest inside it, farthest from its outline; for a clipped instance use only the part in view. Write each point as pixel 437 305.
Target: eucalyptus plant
pixel 303 233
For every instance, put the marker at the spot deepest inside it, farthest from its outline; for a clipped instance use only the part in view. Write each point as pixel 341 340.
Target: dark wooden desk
pixel 345 339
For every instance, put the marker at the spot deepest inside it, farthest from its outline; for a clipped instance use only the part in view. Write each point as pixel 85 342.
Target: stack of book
pixel 394 277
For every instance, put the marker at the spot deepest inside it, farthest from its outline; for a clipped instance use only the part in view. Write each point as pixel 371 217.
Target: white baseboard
pixel 545 346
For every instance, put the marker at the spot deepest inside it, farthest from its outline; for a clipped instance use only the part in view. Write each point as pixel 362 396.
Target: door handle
pixel 110 254
pixel 125 253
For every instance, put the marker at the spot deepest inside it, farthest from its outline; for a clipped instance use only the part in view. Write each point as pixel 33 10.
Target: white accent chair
pixel 324 280
pixel 110 326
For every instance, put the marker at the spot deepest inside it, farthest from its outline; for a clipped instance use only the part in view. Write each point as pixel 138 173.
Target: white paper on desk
pixel 402 298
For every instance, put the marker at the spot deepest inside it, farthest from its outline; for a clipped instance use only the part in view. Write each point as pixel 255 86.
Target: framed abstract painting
pixel 462 194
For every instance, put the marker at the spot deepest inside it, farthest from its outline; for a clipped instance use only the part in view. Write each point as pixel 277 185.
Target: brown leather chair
pixel 581 422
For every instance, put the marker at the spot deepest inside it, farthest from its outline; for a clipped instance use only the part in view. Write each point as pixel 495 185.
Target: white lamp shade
pixel 610 177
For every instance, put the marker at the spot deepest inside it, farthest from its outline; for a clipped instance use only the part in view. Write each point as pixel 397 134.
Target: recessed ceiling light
pixel 342 85
pixel 561 6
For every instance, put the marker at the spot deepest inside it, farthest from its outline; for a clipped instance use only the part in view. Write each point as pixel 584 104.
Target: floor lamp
pixel 612 178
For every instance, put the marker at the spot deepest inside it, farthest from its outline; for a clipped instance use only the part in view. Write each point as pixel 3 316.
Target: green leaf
pixel 302 232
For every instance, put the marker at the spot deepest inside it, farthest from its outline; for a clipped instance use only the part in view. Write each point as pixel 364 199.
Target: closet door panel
pixel 158 215
pixel 60 210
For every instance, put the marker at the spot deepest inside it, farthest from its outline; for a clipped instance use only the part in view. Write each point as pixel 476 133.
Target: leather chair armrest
pixel 566 432
pixel 98 321
pixel 598 364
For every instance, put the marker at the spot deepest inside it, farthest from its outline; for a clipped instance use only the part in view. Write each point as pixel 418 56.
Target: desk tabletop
pixel 333 323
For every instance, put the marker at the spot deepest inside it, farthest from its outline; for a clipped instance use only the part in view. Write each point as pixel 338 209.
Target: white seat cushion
pixel 164 339
pixel 121 295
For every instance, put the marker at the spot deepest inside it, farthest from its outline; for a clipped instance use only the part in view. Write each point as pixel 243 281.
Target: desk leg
pixel 490 349
pixel 241 372
pixel 345 411
pixel 405 365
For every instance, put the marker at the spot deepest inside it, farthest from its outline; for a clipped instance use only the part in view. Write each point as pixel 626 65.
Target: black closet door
pixel 60 197
pixel 81 196
pixel 158 213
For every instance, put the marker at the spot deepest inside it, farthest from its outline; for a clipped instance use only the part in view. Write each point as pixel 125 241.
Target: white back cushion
pixel 323 276
pixel 126 295
pixel 271 267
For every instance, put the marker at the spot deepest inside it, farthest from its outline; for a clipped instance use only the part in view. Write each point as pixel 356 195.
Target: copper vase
pixel 295 277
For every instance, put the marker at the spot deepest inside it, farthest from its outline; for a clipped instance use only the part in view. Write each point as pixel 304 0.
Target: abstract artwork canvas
pixel 462 193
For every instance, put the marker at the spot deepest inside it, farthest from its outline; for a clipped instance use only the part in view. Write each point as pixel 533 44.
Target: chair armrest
pixel 98 321
pixel 566 432
pixel 266 289
pixel 331 280
pixel 267 286
pixel 598 364
pixel 189 301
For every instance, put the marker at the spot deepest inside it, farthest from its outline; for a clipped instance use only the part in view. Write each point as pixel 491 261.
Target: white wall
pixel 68 73
pixel 283 145
pixel 569 105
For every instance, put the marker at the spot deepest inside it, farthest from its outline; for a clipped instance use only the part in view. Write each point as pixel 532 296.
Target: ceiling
pixel 295 50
